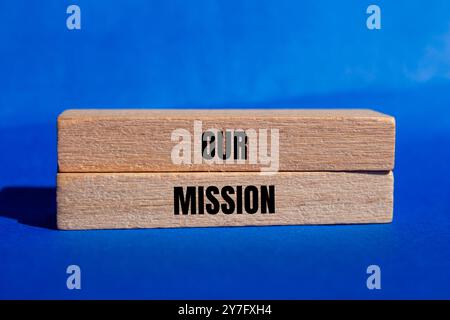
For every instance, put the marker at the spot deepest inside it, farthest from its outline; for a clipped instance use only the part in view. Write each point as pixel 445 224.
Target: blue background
pixel 222 54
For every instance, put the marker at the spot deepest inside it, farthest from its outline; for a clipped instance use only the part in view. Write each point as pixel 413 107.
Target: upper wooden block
pixel 142 141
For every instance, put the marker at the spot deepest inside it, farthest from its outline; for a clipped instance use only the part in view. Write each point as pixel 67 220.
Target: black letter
pixel 178 199
pixel 215 207
pixel 239 199
pixel 254 207
pixel 225 195
pixel 200 201
pixel 240 145
pixel 228 143
pixel 208 137
pixel 268 199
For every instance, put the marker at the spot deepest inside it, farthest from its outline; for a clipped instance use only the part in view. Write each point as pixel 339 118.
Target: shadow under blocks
pixel 33 206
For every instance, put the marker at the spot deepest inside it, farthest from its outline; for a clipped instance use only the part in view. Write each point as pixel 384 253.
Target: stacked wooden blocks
pixel 186 168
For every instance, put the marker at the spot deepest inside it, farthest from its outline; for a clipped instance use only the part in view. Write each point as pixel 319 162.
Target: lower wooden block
pixel 158 200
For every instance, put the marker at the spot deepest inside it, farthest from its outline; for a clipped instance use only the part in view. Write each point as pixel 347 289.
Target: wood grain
pixel 140 140
pixel 145 200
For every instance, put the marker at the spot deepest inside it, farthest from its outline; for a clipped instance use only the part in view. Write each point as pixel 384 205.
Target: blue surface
pixel 213 54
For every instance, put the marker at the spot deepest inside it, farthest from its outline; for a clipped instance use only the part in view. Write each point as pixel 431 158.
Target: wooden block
pixel 140 140
pixel 152 200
